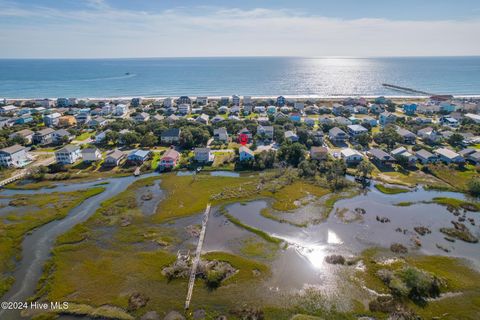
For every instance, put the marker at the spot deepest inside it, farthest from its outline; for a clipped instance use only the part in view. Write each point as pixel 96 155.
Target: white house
pixel 184 108
pixel 402 152
pixel 25 133
pixel 68 154
pixel 425 157
pixel 91 155
pixel 449 156
pixel 351 156
pixel 474 117
pixel 14 156
pixel 120 110
pixel 220 134
pixel 203 155
pixel 355 130
pixel 265 131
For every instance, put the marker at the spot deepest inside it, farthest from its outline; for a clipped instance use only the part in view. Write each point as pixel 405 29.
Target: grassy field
pixel 390 190
pixel 101 254
pixel 457 203
pixel 456 178
pixel 456 275
pixel 33 211
pixel 84 136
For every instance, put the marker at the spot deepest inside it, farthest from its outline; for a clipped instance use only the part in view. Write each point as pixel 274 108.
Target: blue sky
pixel 155 28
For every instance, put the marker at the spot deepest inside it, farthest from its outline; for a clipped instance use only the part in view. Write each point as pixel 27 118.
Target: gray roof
pixel 44 132
pixel 336 131
pixel 424 154
pixel 68 148
pixel 172 132
pixel 380 154
pixel 13 149
pixel 116 154
pixel 405 133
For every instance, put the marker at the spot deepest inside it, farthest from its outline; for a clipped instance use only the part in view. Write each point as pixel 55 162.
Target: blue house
pixel 295 117
pixel 24 119
pixel 138 156
pixel 281 101
pixel 410 109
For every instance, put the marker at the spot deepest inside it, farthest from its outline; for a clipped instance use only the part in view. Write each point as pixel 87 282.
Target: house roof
pixel 139 153
pixel 116 154
pixel 357 127
pixel 62 132
pixel 318 150
pixel 171 153
pixel 44 132
pixel 336 131
pixel 23 133
pixel 13 149
pixel 89 150
pixel 380 154
pixel 450 154
pixel 348 152
pixel 68 149
pixel 202 150
pixel 424 154
pixel 467 151
pixel 405 133
pixel 172 132
pixel 246 150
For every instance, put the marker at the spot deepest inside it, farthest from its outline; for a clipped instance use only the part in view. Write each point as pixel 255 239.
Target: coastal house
pixel 26 134
pixel 370 121
pixel 114 158
pixel 220 134
pixel 337 135
pixel 318 153
pixel 474 117
pixel 184 100
pixel 203 119
pixel 290 136
pixel 426 157
pixel 136 102
pixel 14 156
pixel 138 156
pixel 184 109
pixel 24 119
pixel 351 156
pixel 171 136
pixel 428 135
pixel 141 117
pixel 223 110
pixel 316 136
pixel 68 154
pixel 83 117
pixel 96 122
pixel 281 101
pixel 44 136
pixel 402 152
pixel 245 154
pixel 51 120
pixel 202 101
pixel 474 157
pixel 309 121
pixel 265 132
pixel 295 117
pixel 354 130
pixel 169 159
pixel 448 156
pixel 91 155
pixel 120 110
pixel 203 155
pixel 235 100
pixel 244 135
pixel 10 109
pixel 386 118
pixel 380 157
pixel 407 136
pixel 61 135
pixel 409 109
pixel 449 122
pixel 299 106
pixel 376 109
pixel 342 121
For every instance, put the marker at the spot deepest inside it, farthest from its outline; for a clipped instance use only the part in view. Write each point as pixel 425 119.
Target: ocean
pixel 255 76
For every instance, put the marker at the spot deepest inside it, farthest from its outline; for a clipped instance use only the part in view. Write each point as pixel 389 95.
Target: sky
pixel 201 28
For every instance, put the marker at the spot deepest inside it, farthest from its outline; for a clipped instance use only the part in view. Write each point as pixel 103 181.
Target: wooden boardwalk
pixel 196 260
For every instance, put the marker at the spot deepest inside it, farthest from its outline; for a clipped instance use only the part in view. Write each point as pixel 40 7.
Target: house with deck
pixel 91 155
pixel 449 156
pixel 169 159
pixel 203 155
pixel 68 154
pixel 114 158
pixel 15 156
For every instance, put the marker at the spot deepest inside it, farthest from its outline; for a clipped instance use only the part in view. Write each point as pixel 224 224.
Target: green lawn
pixel 84 136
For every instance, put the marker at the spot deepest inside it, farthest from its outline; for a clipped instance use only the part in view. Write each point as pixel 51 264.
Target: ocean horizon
pixel 254 76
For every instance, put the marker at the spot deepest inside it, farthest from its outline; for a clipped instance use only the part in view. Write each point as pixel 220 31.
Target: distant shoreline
pixel 318 97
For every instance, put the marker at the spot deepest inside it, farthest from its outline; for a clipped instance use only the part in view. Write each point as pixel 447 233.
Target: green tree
pixel 388 136
pixel 149 140
pixel 364 169
pixel 292 154
pixel 473 186
pixel 455 140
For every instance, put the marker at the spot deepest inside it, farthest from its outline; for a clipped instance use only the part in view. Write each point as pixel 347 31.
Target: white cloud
pixel 102 31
